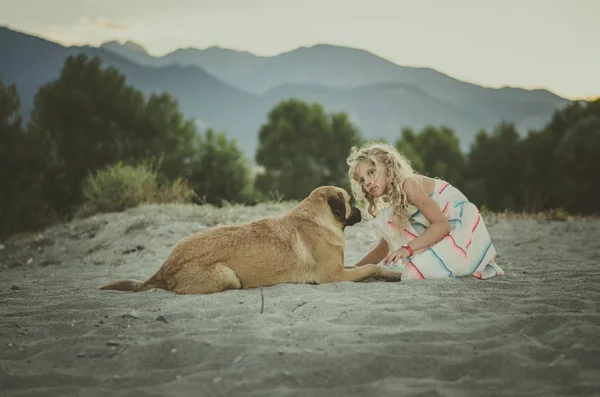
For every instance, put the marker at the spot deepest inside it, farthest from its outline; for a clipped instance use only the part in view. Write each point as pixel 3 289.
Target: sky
pixel 552 44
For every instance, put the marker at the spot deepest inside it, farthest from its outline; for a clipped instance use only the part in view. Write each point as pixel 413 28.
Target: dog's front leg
pixel 361 273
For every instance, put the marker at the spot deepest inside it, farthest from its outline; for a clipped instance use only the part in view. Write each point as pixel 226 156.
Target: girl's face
pixel 372 178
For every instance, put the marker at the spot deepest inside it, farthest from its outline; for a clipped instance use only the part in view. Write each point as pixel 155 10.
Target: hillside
pixel 233 91
pixel 31 62
pixel 350 68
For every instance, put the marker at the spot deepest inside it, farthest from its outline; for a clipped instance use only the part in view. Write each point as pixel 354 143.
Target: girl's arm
pixel 376 255
pixel 439 226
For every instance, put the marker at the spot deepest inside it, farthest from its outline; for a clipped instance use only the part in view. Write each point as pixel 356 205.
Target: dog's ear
pixel 338 206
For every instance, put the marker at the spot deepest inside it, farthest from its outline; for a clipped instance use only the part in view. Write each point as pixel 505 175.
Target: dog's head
pixel 339 202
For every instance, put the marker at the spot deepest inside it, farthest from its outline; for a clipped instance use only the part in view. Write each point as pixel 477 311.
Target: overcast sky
pixel 529 43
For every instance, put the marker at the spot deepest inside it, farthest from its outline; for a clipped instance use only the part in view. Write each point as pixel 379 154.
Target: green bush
pixel 118 187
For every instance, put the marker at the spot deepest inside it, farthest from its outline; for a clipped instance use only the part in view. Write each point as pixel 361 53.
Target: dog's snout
pixel 354 218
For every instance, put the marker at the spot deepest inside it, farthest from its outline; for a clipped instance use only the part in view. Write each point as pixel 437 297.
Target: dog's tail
pixel 134 285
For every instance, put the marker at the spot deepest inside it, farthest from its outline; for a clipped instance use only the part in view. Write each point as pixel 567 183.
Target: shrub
pixel 118 187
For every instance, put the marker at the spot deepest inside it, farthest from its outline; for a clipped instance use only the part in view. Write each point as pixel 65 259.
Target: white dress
pixel 466 251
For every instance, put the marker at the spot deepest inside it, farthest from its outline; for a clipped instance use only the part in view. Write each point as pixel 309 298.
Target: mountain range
pixel 233 91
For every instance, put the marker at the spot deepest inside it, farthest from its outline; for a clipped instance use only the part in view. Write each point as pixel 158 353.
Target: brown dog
pixel 304 246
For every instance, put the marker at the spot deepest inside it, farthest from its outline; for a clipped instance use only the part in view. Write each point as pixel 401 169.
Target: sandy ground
pixel 536 332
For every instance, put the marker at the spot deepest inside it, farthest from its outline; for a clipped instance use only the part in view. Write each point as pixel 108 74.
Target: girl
pixel 427 227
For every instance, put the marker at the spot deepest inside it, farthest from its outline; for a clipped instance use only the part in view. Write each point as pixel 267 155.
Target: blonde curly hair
pixel 398 169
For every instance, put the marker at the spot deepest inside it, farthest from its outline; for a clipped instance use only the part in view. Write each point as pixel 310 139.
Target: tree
pixel 577 161
pixel 406 145
pixel 301 148
pixel 23 162
pixel 164 133
pixel 434 152
pixel 494 168
pixel 95 119
pixel 88 113
pixel 219 172
pixel 537 187
pixel 560 160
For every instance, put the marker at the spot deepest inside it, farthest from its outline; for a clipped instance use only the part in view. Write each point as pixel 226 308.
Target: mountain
pixel 31 62
pixel 349 68
pixel 130 50
pixel 234 90
pixel 381 108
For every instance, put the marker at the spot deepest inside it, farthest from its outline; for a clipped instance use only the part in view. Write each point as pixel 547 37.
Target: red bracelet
pixel 410 250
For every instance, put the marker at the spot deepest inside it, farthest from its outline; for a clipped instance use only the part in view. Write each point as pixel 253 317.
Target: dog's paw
pixel 389 273
pixel 392 276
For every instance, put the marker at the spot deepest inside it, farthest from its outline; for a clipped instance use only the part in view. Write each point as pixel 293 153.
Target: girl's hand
pixel 400 254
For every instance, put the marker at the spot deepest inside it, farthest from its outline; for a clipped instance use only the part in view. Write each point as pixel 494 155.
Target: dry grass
pixel 119 187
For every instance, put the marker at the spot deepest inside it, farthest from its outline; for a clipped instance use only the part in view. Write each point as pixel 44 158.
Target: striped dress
pixel 466 251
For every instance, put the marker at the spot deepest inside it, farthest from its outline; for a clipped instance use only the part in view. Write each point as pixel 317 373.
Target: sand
pixel 535 332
